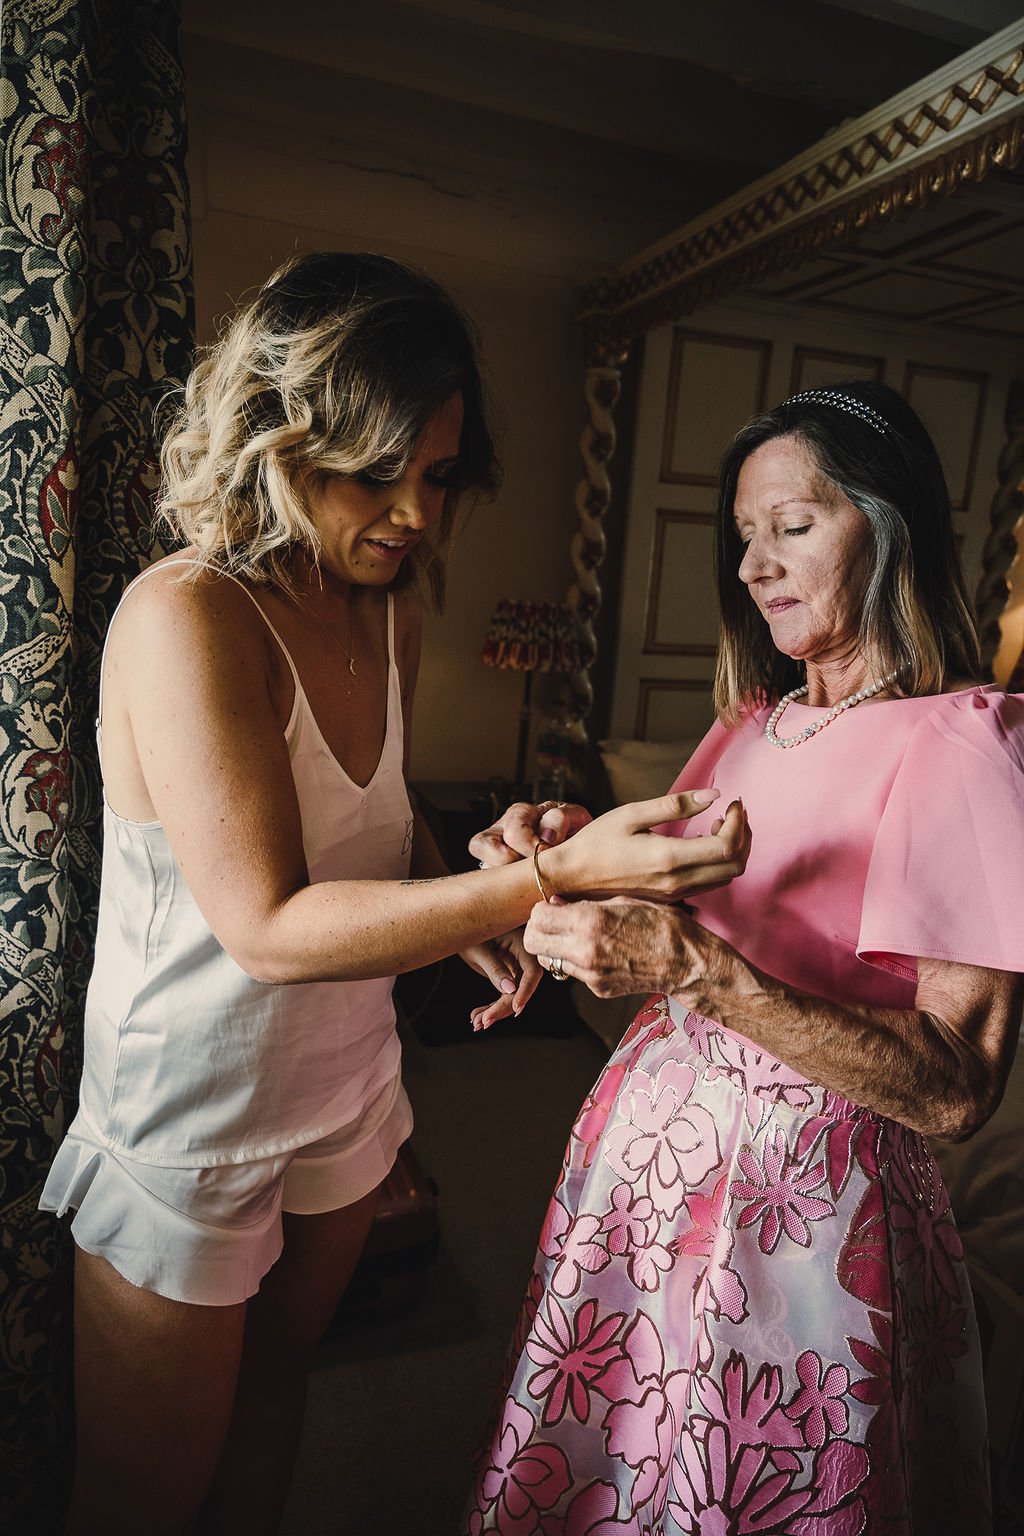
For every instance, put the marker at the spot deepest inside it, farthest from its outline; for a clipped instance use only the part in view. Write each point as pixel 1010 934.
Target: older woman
pixel 749 1311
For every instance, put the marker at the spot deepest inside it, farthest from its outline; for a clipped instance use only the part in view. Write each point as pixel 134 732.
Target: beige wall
pixel 466 715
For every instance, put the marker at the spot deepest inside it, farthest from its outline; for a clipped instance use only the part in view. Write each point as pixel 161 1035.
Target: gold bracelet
pixel 538 845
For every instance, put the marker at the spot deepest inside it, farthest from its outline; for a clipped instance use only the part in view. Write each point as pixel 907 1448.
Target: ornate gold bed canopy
pixel 945 132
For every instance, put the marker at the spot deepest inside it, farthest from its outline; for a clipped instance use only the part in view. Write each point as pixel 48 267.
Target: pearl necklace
pixel 820 724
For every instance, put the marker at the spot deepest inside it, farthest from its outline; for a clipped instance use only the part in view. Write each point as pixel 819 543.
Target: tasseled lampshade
pixel 530 637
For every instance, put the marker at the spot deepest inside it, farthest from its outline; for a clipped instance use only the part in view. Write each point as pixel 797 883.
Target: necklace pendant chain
pixel 347 652
pixel 850 702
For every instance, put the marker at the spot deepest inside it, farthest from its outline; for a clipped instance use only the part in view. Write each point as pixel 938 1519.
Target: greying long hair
pixel 915 615
pixel 335 367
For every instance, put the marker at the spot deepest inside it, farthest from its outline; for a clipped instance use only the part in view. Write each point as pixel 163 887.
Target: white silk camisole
pixel 188 1060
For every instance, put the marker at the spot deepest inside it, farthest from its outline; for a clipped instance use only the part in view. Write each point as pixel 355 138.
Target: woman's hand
pixel 513 971
pixel 620 855
pixel 625 946
pixel 517 831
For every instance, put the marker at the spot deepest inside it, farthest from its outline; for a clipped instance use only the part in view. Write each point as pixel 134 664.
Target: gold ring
pixel 555 970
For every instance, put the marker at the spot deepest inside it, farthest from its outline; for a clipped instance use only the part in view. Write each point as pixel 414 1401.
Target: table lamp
pixel 530 637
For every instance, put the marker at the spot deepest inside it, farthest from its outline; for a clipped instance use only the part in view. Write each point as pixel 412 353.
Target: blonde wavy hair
pixel 334 368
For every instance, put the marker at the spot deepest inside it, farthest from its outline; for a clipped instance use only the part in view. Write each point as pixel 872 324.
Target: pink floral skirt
pixel 748 1316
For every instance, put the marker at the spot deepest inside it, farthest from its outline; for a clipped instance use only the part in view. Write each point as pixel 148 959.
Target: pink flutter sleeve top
pixel 897 832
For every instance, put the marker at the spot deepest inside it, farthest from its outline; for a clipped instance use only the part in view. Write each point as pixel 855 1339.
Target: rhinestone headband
pixel 841 402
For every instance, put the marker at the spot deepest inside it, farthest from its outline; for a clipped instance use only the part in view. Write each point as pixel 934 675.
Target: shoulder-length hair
pixel 874 449
pixel 334 368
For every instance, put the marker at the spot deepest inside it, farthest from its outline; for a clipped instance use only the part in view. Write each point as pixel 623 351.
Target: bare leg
pixel 286 1322
pixel 154 1386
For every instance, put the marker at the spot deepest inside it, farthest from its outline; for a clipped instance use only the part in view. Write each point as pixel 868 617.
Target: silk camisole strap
pixel 300 703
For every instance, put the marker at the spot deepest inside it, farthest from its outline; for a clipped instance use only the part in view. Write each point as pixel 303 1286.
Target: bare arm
pixel 939 1067
pixel 214 761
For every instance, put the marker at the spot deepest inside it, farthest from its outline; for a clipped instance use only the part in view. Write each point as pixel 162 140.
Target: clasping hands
pixel 517 831
pixel 619 855
pixel 623 852
pixel 514 972
pixel 513 836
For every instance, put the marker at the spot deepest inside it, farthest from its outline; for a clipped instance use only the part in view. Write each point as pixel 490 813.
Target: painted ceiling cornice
pixel 948 129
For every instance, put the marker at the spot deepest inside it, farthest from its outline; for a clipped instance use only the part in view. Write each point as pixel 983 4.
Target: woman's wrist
pixel 554 865
pixel 708 976
pixel 545 893
pixel 522 880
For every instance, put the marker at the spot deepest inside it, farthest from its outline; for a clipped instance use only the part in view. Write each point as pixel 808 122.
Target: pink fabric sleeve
pixel 946 876
pixel 698 772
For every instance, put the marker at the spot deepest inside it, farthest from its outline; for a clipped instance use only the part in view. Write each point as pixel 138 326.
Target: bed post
pixel 1001 651
pixel 605 357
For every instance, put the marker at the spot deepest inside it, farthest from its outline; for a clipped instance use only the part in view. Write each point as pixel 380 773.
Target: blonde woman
pixel 265 878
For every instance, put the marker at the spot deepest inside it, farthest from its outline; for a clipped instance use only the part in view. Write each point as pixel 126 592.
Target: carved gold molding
pixel 949 129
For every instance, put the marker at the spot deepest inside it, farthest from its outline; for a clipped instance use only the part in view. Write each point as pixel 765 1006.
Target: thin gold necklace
pixel 348 654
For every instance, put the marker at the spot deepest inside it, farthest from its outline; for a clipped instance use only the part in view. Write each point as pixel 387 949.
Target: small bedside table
pixel 454 809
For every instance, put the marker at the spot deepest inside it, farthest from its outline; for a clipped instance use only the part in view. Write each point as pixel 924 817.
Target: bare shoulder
pixel 183 637
pixel 174 605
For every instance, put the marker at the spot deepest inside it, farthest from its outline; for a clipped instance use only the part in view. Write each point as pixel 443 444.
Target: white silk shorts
pixel 209 1235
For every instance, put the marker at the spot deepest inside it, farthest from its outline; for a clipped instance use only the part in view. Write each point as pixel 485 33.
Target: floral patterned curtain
pixel 95 324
